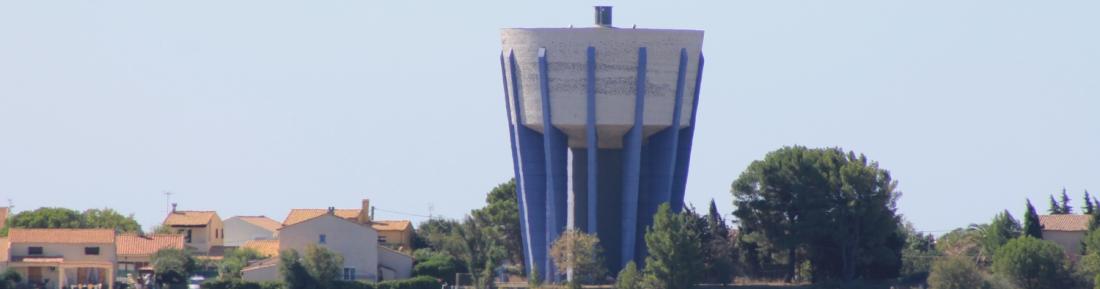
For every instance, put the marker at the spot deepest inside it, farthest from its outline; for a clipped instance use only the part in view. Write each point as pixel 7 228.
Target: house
pixel 134 253
pixel 392 233
pixel 57 258
pixel 340 231
pixel 1066 230
pixel 202 230
pixel 241 229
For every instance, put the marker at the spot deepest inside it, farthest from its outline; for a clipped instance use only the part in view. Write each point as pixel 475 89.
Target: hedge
pixel 420 282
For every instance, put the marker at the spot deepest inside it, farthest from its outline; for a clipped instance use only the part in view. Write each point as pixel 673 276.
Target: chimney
pixel 173 207
pixel 366 212
pixel 603 16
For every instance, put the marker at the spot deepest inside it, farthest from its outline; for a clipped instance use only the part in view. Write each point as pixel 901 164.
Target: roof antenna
pixel 168 202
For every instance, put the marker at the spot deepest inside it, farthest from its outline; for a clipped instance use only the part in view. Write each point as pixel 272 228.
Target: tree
pixel 502 212
pixel 323 265
pixel 1094 220
pixel 1066 208
pixel 476 244
pixel 962 242
pixel 955 273
pixel 10 279
pixel 1002 229
pixel 629 278
pixel 1055 207
pixel 718 253
pixel 48 218
pixel 1088 203
pixel 580 252
pixel 110 219
pixel 1032 263
pixel 172 266
pixel 232 263
pixel 916 257
pixel 295 275
pixel 435 233
pixel 836 209
pixel 437 264
pixel 674 259
pixel 1032 227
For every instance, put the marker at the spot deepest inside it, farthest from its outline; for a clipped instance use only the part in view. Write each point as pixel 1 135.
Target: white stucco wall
pixel 400 264
pixel 357 243
pixel 238 231
pixel 616 76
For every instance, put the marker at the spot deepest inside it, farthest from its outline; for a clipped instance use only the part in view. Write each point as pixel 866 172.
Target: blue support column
pixel 515 156
pixel 530 181
pixel 684 155
pixel 555 148
pixel 632 162
pixel 592 139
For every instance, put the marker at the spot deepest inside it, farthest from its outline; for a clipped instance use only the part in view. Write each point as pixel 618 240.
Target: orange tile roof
pixel 62 236
pixel 299 215
pixel 132 245
pixel 262 222
pixel 391 225
pixel 268 248
pixel 189 218
pixel 1067 223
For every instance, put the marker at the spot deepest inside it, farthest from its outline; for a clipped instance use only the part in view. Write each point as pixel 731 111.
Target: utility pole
pixel 431 207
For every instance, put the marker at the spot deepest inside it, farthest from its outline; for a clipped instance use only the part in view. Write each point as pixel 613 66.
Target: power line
pixel 402 213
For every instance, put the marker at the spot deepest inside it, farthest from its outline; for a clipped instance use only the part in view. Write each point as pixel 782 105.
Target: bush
pixel 1032 263
pixel 240 284
pixel 435 264
pixel 955 273
pixel 629 278
pixel 420 282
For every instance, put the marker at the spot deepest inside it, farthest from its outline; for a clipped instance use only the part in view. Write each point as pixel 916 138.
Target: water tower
pixel 601 121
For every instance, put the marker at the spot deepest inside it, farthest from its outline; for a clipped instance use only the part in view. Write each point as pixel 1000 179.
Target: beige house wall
pixel 1069 240
pixel 204 237
pixel 394 264
pixel 357 243
pixel 260 274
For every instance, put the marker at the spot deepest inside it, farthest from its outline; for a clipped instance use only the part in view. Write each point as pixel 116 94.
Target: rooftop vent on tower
pixel 603 16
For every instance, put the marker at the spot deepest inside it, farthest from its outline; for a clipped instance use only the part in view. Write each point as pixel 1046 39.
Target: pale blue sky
pixel 256 107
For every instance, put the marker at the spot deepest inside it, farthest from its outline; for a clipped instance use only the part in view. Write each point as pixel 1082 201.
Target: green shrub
pixel 955 273
pixel 1032 263
pixel 629 277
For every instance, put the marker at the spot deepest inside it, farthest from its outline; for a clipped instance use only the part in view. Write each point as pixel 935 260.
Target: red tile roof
pixel 1066 223
pixel 189 218
pixel 391 225
pixel 135 245
pixel 299 215
pixel 269 248
pixel 62 236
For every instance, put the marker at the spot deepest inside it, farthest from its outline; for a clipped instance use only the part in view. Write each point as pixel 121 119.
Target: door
pixel 34 274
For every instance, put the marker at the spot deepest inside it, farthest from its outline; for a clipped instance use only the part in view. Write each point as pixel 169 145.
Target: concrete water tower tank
pixel 601 121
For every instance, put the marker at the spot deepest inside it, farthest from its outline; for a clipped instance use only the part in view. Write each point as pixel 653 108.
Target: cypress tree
pixel 1088 203
pixel 1031 223
pixel 1055 208
pixel 1066 209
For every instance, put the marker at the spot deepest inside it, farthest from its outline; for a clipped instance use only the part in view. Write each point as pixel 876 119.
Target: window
pixel 321 239
pixel 381 239
pixel 91 250
pixel 349 274
pixel 34 250
pixel 188 237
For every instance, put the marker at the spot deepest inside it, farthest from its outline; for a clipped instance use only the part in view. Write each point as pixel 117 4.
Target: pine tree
pixel 1055 208
pixel 1088 203
pixel 1031 222
pixel 674 259
pixel 1066 209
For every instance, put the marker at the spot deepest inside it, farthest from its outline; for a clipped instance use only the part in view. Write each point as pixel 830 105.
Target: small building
pixel 202 230
pixel 1066 230
pixel 241 229
pixel 135 252
pixel 58 258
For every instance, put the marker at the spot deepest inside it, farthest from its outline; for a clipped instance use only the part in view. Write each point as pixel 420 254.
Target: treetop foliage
pixel 49 218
